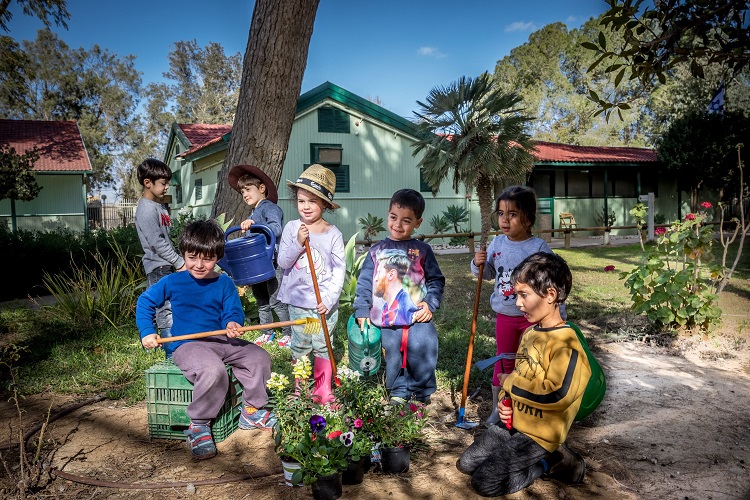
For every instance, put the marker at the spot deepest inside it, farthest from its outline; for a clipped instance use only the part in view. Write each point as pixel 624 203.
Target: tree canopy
pixel 701 151
pixel 45 10
pixel 48 80
pixel 661 36
pixel 475 133
pixel 17 178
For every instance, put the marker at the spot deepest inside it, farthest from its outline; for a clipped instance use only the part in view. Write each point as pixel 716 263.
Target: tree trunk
pixel 272 71
pixel 484 195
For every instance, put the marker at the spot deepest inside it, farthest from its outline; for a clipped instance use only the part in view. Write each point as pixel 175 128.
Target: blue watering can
pixel 249 259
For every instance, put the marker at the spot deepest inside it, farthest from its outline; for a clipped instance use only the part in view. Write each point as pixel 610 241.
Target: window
pixel 328 155
pixel 597 184
pixel 332 119
pixel 178 194
pixel 198 189
pixel 542 184
pixel 649 182
pixel 423 185
pixel 578 183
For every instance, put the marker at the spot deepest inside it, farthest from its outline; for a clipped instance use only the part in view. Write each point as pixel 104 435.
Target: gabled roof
pixel 550 152
pixel 59 144
pixel 201 135
pixel 353 101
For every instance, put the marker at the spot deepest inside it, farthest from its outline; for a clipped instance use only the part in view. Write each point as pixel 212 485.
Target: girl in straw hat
pixel 314 190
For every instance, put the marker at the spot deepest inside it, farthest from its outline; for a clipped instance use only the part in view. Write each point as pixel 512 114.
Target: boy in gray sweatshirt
pixel 152 222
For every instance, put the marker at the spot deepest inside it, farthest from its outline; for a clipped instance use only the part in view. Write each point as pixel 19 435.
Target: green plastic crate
pixel 168 393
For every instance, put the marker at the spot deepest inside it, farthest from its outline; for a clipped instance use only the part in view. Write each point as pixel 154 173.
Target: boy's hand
pixel 149 341
pixel 423 315
pixel 361 323
pixel 322 309
pixel 480 257
pixel 505 412
pixel 233 329
pixel 303 234
pixel 245 224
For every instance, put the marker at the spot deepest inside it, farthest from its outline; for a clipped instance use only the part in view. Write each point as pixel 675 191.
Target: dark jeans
pixel 502 462
pixel 265 296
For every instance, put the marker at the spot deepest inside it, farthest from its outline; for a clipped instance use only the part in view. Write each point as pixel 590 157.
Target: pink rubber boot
pixel 323 373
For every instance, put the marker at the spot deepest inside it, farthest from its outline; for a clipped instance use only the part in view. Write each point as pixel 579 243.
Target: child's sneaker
pixel 285 341
pixel 264 338
pixel 253 418
pixel 200 441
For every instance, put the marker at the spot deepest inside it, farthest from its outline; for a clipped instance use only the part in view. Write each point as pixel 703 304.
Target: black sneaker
pixel 570 469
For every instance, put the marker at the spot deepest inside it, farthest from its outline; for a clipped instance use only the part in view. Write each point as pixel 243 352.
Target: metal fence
pixel 109 215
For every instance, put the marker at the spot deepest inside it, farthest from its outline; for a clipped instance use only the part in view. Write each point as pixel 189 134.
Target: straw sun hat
pixel 319 181
pixel 240 170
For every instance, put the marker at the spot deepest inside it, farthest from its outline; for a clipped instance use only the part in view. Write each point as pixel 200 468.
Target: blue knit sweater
pixel 198 305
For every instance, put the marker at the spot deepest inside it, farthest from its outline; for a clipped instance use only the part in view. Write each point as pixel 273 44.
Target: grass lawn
pixel 48 355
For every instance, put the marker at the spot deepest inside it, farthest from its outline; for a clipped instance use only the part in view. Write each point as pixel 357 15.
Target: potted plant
pixel 399 427
pixel 359 402
pixel 316 437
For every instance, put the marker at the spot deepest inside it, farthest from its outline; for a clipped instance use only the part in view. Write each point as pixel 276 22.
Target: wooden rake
pixel 311 326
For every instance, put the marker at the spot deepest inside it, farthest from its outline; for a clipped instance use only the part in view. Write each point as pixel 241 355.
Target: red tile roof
pixel 565 153
pixel 201 135
pixel 59 143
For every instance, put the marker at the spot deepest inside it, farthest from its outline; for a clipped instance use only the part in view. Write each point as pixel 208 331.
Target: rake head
pixel 312 325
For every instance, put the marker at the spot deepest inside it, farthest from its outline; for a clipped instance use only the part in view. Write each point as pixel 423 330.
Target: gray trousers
pixel 164 313
pixel 265 296
pixel 502 462
pixel 202 362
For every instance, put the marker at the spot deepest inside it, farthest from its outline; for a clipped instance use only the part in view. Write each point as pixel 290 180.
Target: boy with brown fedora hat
pixel 259 191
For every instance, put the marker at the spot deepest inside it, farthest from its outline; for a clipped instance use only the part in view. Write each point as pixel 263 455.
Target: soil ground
pixel 674 424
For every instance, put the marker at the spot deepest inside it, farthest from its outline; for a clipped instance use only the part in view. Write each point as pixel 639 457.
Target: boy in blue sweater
pixel 203 300
pixel 398 289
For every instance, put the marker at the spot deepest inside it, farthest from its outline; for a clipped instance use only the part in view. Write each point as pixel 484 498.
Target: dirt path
pixel 670 427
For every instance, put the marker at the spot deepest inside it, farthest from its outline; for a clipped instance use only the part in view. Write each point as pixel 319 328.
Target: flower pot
pixel 289 468
pixel 327 487
pixel 355 472
pixel 394 460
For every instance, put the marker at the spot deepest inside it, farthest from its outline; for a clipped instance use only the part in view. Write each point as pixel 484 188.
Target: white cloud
pixel 571 19
pixel 430 52
pixel 520 26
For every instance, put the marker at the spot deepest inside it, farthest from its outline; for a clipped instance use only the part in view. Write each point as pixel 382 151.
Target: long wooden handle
pixel 470 353
pixel 164 340
pixel 322 316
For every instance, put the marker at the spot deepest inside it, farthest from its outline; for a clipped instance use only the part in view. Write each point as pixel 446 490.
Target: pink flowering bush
pixel 401 425
pixel 675 285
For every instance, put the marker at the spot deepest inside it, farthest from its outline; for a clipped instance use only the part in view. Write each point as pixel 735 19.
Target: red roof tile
pixel 565 153
pixel 59 143
pixel 201 135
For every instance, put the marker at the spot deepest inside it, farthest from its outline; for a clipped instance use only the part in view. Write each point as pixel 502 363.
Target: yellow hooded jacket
pixel 547 384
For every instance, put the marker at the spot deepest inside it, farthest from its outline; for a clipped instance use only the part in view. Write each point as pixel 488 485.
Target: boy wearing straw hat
pixel 259 191
pixel 313 190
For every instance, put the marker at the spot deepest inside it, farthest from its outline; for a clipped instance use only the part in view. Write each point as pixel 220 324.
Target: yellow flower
pixel 302 369
pixel 278 381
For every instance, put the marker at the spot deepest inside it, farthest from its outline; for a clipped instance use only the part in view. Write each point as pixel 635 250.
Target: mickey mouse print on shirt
pixel 504 286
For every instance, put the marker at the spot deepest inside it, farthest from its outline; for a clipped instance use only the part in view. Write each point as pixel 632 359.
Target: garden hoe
pixel 311 263
pixel 461 422
pixel 311 325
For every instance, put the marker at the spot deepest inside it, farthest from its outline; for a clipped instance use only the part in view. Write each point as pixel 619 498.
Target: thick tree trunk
pixel 272 72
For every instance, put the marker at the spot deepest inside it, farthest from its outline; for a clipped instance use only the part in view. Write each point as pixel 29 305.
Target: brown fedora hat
pixel 318 180
pixel 239 170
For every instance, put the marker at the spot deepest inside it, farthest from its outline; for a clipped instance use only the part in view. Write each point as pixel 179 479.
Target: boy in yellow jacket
pixel 545 390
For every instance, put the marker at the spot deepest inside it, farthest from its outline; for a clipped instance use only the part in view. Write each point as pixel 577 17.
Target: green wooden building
pixel 370 150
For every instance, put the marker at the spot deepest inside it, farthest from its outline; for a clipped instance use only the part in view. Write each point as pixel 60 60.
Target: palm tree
pixel 476 133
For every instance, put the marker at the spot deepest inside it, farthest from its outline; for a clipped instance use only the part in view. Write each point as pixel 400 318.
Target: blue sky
pixel 396 51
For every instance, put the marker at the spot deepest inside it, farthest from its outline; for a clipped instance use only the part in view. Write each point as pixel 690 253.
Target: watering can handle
pixel 258 228
pixel 366 335
pixel 230 231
